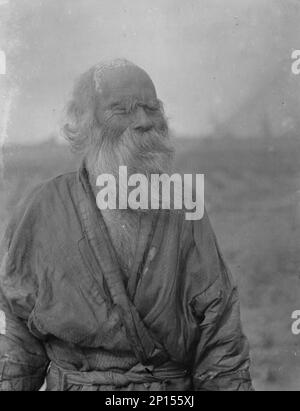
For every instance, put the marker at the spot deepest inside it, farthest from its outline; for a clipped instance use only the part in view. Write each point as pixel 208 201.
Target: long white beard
pixel 147 153
pixel 142 153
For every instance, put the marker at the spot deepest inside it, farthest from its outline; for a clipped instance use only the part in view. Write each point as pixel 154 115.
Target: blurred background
pixel 223 70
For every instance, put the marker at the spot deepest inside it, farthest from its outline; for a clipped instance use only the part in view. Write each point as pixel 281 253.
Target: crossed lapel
pixel 143 344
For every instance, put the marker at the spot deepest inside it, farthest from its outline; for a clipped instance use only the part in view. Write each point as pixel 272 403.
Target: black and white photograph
pixel 149 198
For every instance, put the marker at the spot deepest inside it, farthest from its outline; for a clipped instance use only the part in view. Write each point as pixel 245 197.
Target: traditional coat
pixel 69 315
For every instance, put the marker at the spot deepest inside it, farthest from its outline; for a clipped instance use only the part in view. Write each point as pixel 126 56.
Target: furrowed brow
pixel 125 103
pixel 129 104
pixel 116 104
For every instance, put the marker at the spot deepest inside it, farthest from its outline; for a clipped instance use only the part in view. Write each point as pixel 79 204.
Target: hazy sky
pixel 216 63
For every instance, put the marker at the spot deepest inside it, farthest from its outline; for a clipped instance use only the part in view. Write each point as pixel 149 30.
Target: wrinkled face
pixel 128 98
pixel 133 128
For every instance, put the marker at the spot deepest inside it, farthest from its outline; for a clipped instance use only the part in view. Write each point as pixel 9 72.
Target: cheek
pixel 100 115
pixel 115 126
pixel 120 121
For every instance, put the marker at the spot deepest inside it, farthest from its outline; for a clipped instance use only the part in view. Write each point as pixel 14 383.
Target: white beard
pixel 123 225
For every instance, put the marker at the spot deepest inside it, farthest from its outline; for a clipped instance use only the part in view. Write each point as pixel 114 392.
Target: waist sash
pixel 114 378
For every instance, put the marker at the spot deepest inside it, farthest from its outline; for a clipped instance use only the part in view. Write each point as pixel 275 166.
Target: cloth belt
pixel 117 379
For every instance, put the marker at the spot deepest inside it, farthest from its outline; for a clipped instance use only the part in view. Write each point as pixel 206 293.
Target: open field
pixel 253 198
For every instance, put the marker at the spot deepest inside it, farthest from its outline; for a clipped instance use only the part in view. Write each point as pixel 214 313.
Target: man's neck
pixel 123 227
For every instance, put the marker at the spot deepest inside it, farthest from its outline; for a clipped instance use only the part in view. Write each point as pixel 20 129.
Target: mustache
pixel 146 152
pixel 145 146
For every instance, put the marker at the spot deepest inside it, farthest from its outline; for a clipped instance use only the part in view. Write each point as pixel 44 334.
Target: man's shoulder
pixel 60 184
pixel 47 197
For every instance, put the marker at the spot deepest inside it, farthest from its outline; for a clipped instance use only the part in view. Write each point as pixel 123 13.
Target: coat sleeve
pixel 221 360
pixel 23 361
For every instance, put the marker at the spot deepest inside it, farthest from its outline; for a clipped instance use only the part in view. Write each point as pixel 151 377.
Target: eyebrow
pixel 117 103
pixel 128 104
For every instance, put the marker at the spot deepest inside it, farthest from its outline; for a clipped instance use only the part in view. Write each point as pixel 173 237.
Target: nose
pixel 142 121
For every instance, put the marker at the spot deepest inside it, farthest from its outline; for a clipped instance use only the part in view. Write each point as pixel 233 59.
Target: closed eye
pixel 152 109
pixel 119 110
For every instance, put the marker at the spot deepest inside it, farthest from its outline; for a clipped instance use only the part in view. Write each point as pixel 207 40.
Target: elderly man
pixel 116 299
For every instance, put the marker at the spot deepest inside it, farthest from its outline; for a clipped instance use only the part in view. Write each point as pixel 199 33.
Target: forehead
pixel 124 83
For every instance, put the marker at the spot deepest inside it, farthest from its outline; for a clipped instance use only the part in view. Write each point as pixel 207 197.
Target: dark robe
pixel 69 315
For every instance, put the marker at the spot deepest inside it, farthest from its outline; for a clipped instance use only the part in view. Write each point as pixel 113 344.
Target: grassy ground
pixel 253 198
